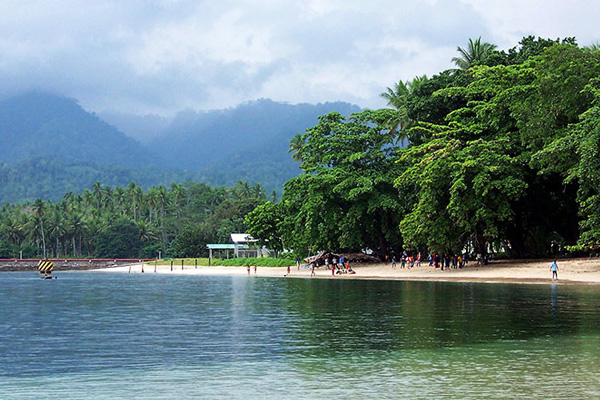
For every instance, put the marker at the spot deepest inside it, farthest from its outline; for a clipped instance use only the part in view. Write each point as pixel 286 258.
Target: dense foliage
pixel 502 156
pixel 126 222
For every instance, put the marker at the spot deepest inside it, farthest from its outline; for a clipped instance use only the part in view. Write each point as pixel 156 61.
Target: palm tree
pixel 120 199
pixel 56 229
pixel 178 196
pixel 76 225
pixel 296 145
pixel 397 97
pixel 135 196
pixel 98 193
pixel 152 202
pixel 147 232
pixel 34 231
pixel 38 208
pixel 15 229
pixel 93 228
pixel 242 190
pixel 476 53
pixel 107 197
pixel 87 198
pixel 258 192
pixel 592 47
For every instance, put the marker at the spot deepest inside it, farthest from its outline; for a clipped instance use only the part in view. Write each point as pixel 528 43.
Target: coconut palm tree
pixel 397 97
pixel 98 194
pixel 76 225
pixel 592 47
pixel 120 200
pixel 56 229
pixel 296 145
pixel 476 53
pixel 178 196
pixel 38 209
pixel 147 232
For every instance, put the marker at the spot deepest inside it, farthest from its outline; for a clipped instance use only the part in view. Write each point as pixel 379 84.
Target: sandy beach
pixel 572 271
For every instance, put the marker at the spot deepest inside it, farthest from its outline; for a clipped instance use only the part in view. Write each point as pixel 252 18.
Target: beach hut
pixel 242 246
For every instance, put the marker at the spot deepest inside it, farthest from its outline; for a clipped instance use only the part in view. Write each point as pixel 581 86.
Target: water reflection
pixel 247 335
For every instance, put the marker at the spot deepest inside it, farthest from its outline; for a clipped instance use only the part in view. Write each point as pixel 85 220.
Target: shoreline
pixel 581 271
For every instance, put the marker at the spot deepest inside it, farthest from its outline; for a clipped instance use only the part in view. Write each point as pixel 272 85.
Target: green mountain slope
pixel 39 124
pixel 199 140
pixel 49 145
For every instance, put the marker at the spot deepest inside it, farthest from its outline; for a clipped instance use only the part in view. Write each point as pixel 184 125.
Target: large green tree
pixel 345 198
pixel 120 240
pixel 478 174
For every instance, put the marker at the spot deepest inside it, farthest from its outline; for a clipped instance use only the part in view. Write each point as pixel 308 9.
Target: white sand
pixel 572 271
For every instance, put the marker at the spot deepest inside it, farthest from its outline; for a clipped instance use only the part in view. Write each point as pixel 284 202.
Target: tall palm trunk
pixel 43 241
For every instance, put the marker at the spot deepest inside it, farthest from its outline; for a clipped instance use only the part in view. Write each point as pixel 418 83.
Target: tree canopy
pixel 502 156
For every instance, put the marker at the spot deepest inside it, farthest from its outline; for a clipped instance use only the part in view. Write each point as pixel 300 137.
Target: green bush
pixel 261 262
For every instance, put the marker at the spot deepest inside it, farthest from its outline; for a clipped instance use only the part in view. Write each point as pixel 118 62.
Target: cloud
pixel 510 20
pixel 162 56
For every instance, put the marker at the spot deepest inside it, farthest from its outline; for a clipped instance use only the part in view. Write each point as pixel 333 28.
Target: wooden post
pixel 171 265
pixel 182 264
pixel 196 263
pixel 155 261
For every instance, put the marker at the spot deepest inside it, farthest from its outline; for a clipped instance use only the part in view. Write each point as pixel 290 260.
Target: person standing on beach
pixel 554 269
pixel 255 270
pixel 312 270
pixel 248 269
pixel 289 270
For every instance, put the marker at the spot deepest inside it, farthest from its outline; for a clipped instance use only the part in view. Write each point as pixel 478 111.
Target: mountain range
pixel 50 145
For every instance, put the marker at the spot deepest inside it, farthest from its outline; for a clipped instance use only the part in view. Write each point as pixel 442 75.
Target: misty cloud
pixel 162 56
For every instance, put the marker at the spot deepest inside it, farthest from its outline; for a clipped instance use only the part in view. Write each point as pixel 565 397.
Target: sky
pixel 163 56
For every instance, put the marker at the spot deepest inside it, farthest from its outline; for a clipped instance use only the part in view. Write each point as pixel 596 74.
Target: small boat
pixel 45 267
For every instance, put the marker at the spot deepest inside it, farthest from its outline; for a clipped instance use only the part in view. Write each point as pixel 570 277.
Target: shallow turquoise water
pixel 120 336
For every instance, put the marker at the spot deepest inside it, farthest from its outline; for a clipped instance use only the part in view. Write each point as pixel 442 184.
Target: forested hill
pixel 49 146
pixel 226 140
pixel 50 126
pixel 249 142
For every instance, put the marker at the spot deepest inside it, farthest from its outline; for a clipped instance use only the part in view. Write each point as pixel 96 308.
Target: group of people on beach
pixel 338 266
pixel 409 260
pixel 333 264
pixel 406 260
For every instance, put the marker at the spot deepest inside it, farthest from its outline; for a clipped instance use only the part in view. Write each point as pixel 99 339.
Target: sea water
pixel 120 336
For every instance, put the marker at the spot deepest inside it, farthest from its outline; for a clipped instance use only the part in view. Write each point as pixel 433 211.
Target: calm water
pixel 120 336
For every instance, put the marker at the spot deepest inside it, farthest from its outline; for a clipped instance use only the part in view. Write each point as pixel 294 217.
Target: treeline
pixel 500 154
pixel 128 222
